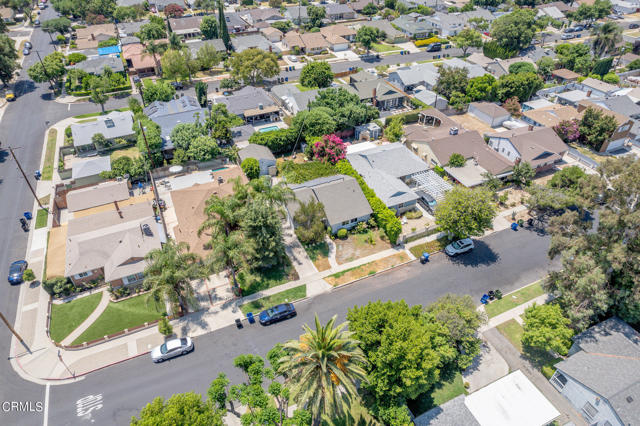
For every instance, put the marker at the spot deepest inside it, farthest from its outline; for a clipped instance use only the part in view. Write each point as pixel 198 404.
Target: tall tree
pixel 547 329
pixel 98 88
pixel 606 37
pixel 316 14
pixel 208 56
pixel 201 93
pixel 451 79
pixel 254 65
pixel 209 27
pixel 53 69
pixel 222 25
pixel 466 39
pixel 174 65
pixel 8 59
pixel 169 273
pixel 60 25
pixel 323 367
pixel 366 36
pixel 515 30
pixel 182 409
pixel 466 212
pixel 153 49
pixel 316 74
pixel 310 220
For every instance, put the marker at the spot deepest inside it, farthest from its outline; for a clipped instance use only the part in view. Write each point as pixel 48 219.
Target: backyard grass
pixel 513 332
pixel 41 218
pixel 319 255
pixel 429 246
pixel 443 392
pixel 510 301
pixel 50 153
pixel 304 88
pixel 289 295
pixel 66 317
pixel 118 316
pixel 256 281
pixel 132 152
pixel 381 47
pixel 370 268
pixel 99 113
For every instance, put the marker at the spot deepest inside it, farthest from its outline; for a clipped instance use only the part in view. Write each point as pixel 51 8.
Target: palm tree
pixel 323 367
pixel 607 36
pixel 169 273
pixel 175 42
pixel 277 194
pixel 310 222
pixel 152 49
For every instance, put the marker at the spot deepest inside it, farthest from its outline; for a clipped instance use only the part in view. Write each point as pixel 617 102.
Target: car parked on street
pixel 28 44
pixel 16 271
pixel 634 26
pixel 459 247
pixel 25 51
pixel 434 47
pixel 277 313
pixel 172 348
pixel 567 36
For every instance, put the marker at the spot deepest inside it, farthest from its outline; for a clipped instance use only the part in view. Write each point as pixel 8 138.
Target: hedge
pixel 426 41
pixel 492 49
pixel 384 216
pixel 278 141
pixel 409 117
pixel 113 89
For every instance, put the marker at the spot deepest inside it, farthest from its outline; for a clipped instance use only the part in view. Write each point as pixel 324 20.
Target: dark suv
pixel 277 313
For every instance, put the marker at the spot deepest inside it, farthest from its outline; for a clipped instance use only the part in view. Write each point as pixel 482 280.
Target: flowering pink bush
pixel 330 149
pixel 568 130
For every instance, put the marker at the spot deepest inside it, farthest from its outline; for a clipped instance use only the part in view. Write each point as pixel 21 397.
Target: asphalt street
pixel 505 260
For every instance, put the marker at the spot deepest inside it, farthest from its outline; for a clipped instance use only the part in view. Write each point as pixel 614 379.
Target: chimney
pixel 589 94
pixel 531 127
pixel 118 209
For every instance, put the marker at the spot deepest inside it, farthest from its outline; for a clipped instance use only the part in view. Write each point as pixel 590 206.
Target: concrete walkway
pixel 104 302
pixel 332 253
pixel 298 255
pixel 516 312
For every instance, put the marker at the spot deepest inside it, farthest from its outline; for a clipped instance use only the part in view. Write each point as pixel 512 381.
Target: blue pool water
pixel 268 129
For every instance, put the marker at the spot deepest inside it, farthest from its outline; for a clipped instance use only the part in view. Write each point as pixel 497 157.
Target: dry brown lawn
pixel 356 246
pixel 56 251
pixel 370 268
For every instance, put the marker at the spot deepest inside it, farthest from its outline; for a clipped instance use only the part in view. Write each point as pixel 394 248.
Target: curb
pixel 372 275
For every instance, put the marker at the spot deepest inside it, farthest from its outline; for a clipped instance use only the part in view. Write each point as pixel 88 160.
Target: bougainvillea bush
pixel 329 149
pixel 568 130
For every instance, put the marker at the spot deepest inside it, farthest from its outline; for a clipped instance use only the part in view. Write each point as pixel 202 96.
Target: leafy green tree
pixel 208 56
pixel 522 86
pixel 458 101
pixel 481 88
pixel 317 122
pixel 182 409
pixel 201 93
pixel 602 66
pixel 316 14
pixel 218 393
pixel 8 59
pixel 394 130
pixel 309 219
pixel 451 79
pixel 596 127
pixel 174 65
pixel 606 37
pixel 99 87
pixel 203 148
pixel 514 31
pixel 53 69
pixel 100 141
pixel 576 57
pixel 466 39
pixel 519 67
pixel 60 25
pixel 477 23
pixel 223 31
pixel 125 13
pixel 209 27
pixel 207 5
pixel 152 31
pixel 323 367
pixel 346 109
pixel 261 225
pixel 634 65
pixel 282 25
pixel 160 91
pixel 457 160
pixel 547 329
pixel 546 65
pixel 568 178
pixel 369 9
pixel 522 174
pixel 366 36
pixel 316 74
pixel 465 212
pixel 184 133
pixel 254 65
pixel 169 273
pixel 251 168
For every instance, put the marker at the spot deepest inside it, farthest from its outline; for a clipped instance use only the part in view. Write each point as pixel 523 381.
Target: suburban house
pixel 344 203
pixel 7 14
pixel 620 136
pixel 159 5
pixel 112 244
pixel 254 16
pixel 115 125
pixel 376 91
pixel 472 70
pixel 571 97
pixel 415 25
pixel 97 65
pixel 235 23
pixel 392 35
pixel 274 35
pixel 492 114
pixel 186 27
pixel 340 30
pixel 564 75
pixel 627 58
pixel 293 99
pixel 337 43
pixel 447 24
pixel 597 88
pixel 601 375
pixel 169 114
pixel 358 5
pixel 292 40
pixel 550 116
pixel 552 12
pixel 261 153
pixel 408 78
pixel 478 58
pixel 314 43
pixel 253 41
pixel 539 146
pixel 127 29
pixel 195 45
pixel 241 134
pixel 252 104
pixel 500 67
pixel 623 105
pixel 297 14
pixel 471 145
pixel 510 400
pixel 536 103
pixel 138 61
pixel 338 12
pixel 90 166
pixel 430 98
pixel 89 37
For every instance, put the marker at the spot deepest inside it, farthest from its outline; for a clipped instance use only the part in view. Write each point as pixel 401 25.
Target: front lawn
pixel 256 281
pixel 41 218
pixel 441 393
pixel 381 47
pixel 319 255
pixel 66 317
pixel 430 246
pixel 511 300
pixel 50 153
pixel 513 331
pixel 542 360
pixel 304 88
pixel 370 268
pixel 120 315
pixel 99 113
pixel 289 295
pixel 357 246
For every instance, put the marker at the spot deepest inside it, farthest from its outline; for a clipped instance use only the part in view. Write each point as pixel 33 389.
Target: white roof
pixel 538 103
pixel 511 400
pixel 351 149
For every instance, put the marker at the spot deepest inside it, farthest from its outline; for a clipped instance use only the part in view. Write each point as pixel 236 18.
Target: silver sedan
pixel 172 348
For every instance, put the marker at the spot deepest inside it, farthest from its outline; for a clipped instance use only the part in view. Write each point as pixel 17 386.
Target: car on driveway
pixel 458 247
pixel 16 271
pixel 277 313
pixel 177 85
pixel 172 348
pixel 567 36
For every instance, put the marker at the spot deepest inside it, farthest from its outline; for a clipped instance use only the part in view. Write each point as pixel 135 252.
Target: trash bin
pixel 27 215
pixel 514 226
pixel 250 317
pixel 238 323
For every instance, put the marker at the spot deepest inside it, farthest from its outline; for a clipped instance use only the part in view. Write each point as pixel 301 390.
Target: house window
pixel 354 220
pixel 559 380
pixel 401 205
pixel 133 278
pixel 589 411
pixel 81 275
pixel 346 222
pixel 502 150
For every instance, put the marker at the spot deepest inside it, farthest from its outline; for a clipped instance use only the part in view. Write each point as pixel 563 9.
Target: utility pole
pixel 153 181
pixel 13 331
pixel 65 365
pixel 26 179
pixel 45 71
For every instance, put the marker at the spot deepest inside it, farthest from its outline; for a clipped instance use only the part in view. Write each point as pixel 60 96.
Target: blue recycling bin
pixel 27 215
pixel 514 226
pixel 250 317
pixel 286 79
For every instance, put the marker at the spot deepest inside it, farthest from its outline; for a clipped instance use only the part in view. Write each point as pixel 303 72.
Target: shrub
pixel 457 160
pixel 342 233
pixel 164 327
pixel 302 172
pixel 67 132
pixel 440 171
pixel 251 168
pixel 59 286
pixel 414 214
pixel 548 371
pixel 360 228
pixel 426 41
pixel 408 117
pixel 29 275
pixel 75 57
pixel 493 50
pixel 278 141
pixel 329 149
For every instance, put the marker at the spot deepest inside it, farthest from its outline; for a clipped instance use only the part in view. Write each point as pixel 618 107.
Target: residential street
pixel 505 260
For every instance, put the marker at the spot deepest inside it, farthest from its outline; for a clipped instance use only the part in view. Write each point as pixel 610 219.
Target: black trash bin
pixel 238 323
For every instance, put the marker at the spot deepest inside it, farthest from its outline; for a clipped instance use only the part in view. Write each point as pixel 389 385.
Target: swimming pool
pixel 268 129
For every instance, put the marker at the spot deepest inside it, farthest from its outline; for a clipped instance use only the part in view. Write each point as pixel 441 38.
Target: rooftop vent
pixel 109 123
pixel 629 399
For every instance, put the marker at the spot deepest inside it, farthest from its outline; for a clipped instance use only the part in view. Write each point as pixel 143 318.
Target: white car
pixel 172 348
pixel 293 58
pixel 459 247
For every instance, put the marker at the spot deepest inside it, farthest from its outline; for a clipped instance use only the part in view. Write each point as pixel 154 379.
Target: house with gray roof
pixel 408 78
pixel 344 203
pixel 195 45
pixel 252 104
pixel 130 28
pixel 169 114
pixel 253 16
pixel 97 65
pixel 90 166
pixel 338 12
pixel 620 104
pixel 241 135
pixel 253 41
pixel 392 35
pixel 293 99
pixel 388 170
pixel 418 27
pixel 297 14
pixel 376 91
pixel 161 4
pixel 261 153
pixel 235 23
pixel 601 375
pixel 491 113
pixel 112 126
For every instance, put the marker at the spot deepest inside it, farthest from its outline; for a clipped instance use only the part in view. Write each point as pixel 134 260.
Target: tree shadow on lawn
pixel 481 255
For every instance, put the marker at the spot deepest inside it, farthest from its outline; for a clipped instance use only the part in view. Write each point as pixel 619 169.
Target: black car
pixel 277 313
pixel 16 271
pixel 634 26
pixel 177 85
pixel 434 47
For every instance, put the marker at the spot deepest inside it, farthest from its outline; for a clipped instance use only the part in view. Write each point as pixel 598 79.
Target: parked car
pixel 434 47
pixel 28 44
pixel 172 348
pixel 177 85
pixel 36 22
pixel 567 36
pixel 25 51
pixel 578 28
pixel 277 313
pixel 569 30
pixel 293 58
pixel 634 26
pixel 459 247
pixel 426 201
pixel 16 271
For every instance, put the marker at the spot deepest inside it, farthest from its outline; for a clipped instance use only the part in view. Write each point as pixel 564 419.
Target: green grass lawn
pixel 290 295
pixel 304 88
pixel 132 152
pixel 41 218
pixel 514 299
pixel 442 393
pixel 317 251
pixel 542 360
pixel 99 113
pixel 68 316
pixel 47 169
pixel 513 331
pixel 429 246
pixel 118 316
pixel 88 120
pixel 380 47
pixel 261 280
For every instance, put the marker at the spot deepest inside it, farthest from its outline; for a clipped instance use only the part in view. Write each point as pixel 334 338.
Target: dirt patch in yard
pixel 370 268
pixel 318 253
pixel 515 198
pixel 356 246
pixel 56 250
